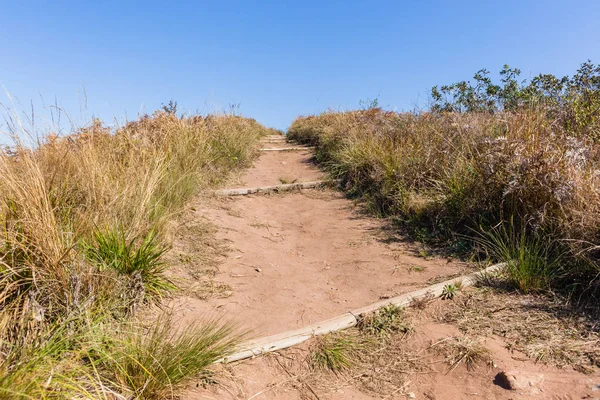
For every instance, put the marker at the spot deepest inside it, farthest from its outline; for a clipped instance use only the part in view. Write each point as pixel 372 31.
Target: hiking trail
pixel 303 256
pixel 297 257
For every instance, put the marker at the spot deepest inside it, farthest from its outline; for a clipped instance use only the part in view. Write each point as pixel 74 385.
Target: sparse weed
pixel 464 350
pixel 415 268
pixel 386 320
pixel 286 180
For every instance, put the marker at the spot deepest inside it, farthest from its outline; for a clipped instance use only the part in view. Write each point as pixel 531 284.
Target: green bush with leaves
pixel 572 101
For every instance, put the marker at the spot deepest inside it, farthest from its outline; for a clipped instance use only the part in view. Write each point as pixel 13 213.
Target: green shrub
pixel 572 101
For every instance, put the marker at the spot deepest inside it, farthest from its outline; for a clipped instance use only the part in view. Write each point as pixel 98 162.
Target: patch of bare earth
pixel 279 167
pixel 300 258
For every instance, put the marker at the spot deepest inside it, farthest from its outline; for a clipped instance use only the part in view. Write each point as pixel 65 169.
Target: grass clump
pixel 142 262
pixel 334 352
pixel 152 362
pixel 533 261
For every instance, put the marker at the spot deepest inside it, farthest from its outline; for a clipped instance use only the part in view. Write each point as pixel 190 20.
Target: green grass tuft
pixel 152 362
pixel 134 258
pixel 534 260
pixel 333 352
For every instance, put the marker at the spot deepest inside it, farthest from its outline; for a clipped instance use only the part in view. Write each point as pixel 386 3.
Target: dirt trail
pixel 298 258
pixel 277 167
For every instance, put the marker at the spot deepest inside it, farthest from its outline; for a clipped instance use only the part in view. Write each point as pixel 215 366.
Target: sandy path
pixel 277 167
pixel 303 257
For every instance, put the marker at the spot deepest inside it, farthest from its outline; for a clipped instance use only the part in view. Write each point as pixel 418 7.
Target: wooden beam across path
pixel 349 319
pixel 270 189
pixel 293 148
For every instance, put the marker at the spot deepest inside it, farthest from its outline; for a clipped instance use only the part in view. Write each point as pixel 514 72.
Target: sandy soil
pixel 299 258
pixel 277 167
pixel 302 257
pixel 289 269
pixel 285 374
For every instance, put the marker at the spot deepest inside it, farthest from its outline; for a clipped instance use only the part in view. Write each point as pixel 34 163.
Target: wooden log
pixel 349 319
pixel 274 137
pixel 291 338
pixel 287 149
pixel 269 189
pixel 433 290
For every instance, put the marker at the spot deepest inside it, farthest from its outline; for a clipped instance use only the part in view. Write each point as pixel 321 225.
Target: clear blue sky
pixel 278 59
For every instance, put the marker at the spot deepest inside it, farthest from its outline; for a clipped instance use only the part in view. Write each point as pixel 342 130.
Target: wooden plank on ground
pixel 294 148
pixel 346 320
pixel 269 189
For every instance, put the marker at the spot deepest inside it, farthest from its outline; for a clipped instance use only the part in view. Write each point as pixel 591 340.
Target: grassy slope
pixel 517 176
pixel 83 220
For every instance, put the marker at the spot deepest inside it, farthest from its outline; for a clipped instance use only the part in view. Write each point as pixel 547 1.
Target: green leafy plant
pixel 450 290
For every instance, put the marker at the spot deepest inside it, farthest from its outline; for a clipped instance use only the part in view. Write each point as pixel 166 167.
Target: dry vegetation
pixel 541 327
pixel 85 221
pixel 396 351
pixel 521 183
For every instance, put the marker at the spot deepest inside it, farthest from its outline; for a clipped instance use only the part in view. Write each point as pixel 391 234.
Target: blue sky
pixel 277 59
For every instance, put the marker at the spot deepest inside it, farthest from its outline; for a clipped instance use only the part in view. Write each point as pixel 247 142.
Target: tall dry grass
pixel 85 221
pixel 448 175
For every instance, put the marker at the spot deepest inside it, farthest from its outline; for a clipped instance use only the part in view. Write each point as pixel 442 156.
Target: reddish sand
pixel 277 167
pixel 299 258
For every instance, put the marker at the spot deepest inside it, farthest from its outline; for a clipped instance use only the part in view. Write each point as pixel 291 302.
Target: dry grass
pixel 195 256
pixel 85 224
pixel 462 350
pixel 448 176
pixel 543 328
